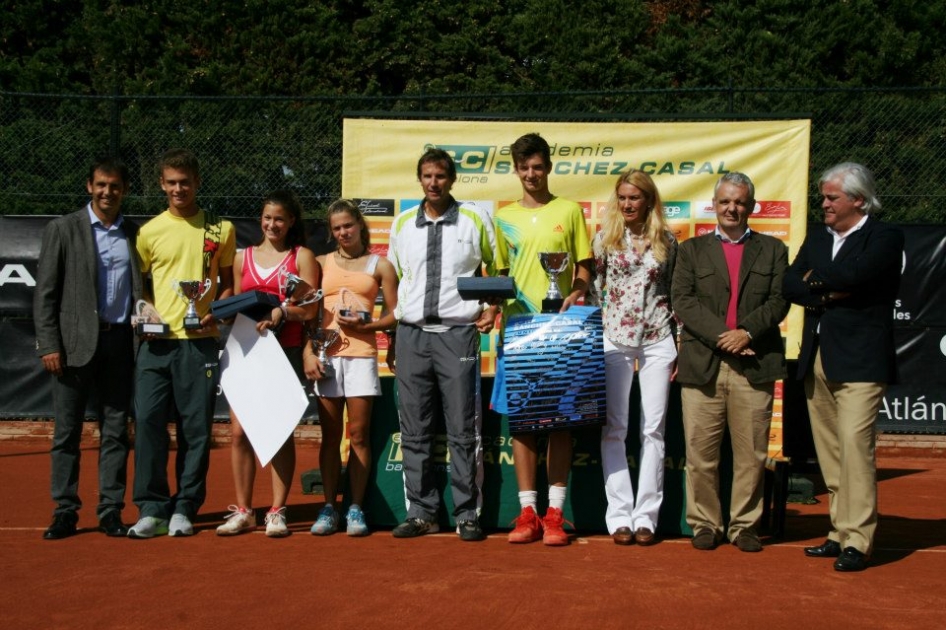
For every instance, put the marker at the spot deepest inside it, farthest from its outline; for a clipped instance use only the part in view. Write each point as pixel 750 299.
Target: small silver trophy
pixel 553 263
pixel 349 305
pixel 322 340
pixel 191 291
pixel 147 321
pixel 298 292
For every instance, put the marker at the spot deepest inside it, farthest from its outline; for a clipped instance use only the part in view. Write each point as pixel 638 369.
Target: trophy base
pixel 328 372
pixel 192 323
pixel 552 305
pixel 150 328
pixel 364 316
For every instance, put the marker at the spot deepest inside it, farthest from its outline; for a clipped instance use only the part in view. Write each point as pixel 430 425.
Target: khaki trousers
pixel 843 417
pixel 746 408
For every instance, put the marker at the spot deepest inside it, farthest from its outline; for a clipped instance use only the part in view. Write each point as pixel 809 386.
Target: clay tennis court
pixel 90 581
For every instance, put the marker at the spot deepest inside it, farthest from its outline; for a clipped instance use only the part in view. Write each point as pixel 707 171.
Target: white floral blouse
pixel 634 291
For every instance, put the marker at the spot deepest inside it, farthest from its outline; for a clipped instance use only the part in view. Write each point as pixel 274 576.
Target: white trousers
pixel 656 363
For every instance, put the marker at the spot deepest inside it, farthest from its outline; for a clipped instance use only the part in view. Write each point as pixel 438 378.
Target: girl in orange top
pixel 352 277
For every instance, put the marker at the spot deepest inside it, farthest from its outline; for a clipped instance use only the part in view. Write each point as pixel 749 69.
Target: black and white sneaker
pixel 413 527
pixel 470 531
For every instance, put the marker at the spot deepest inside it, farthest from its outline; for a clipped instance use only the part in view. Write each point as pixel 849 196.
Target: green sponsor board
pixel 586 502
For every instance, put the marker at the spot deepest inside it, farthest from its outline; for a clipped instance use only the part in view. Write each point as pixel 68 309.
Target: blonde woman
pixel 634 257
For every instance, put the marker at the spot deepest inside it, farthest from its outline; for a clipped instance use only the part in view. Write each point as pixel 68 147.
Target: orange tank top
pixel 355 290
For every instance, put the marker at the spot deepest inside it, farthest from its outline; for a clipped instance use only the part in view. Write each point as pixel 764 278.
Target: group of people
pixel 704 312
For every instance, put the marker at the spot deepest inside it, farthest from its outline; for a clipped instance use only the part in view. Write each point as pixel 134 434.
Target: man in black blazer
pixel 88 281
pixel 727 291
pixel 846 276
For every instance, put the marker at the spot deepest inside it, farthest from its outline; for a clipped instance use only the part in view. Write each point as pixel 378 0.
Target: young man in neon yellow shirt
pixel 181 370
pixel 540 222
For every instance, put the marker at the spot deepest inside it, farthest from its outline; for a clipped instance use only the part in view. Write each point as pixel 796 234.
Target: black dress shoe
pixel 111 524
pixel 827 549
pixel 64 525
pixel 851 560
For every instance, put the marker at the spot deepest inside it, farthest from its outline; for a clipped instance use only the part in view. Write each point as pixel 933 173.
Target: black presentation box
pixel 254 304
pixel 476 288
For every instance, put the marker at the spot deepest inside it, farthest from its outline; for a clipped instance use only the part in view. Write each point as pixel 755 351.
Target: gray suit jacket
pixel 700 293
pixel 65 304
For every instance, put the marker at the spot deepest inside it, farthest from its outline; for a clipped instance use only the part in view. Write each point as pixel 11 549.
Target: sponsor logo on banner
pixel 471 158
pixel 677 210
pixel 440 453
pixel 704 209
pixel 778 230
pixel 476 161
pixel 376 207
pixel 773 210
pixel 15 273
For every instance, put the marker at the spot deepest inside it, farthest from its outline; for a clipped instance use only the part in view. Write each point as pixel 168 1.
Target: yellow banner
pixel 685 159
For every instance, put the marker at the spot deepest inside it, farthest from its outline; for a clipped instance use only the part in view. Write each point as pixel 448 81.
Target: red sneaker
pixel 553 522
pixel 528 527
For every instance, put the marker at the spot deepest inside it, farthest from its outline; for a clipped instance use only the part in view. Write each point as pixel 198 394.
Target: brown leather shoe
pixel 705 539
pixel 748 541
pixel 623 536
pixel 644 536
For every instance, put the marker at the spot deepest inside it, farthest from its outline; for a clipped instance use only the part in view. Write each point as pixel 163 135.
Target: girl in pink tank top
pixel 259 269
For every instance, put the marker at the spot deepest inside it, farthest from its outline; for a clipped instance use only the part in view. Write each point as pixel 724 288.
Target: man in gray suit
pixel 727 291
pixel 88 281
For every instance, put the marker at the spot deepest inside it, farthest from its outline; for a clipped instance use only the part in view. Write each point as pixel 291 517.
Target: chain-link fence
pixel 248 146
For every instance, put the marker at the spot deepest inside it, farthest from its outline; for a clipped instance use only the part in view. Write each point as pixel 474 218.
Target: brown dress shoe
pixel 748 541
pixel 644 536
pixel 705 540
pixel 623 536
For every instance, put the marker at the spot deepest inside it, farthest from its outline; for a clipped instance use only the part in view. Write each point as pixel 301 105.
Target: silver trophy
pixel 146 320
pixel 322 340
pixel 349 305
pixel 298 292
pixel 553 263
pixel 190 291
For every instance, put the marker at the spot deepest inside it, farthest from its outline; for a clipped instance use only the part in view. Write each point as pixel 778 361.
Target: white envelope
pixel 261 387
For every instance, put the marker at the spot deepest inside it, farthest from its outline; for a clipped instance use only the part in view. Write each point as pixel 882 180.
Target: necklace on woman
pixel 339 253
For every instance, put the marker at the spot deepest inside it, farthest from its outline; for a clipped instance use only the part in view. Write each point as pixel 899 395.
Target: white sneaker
pixel 148 527
pixel 180 526
pixel 276 523
pixel 239 520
